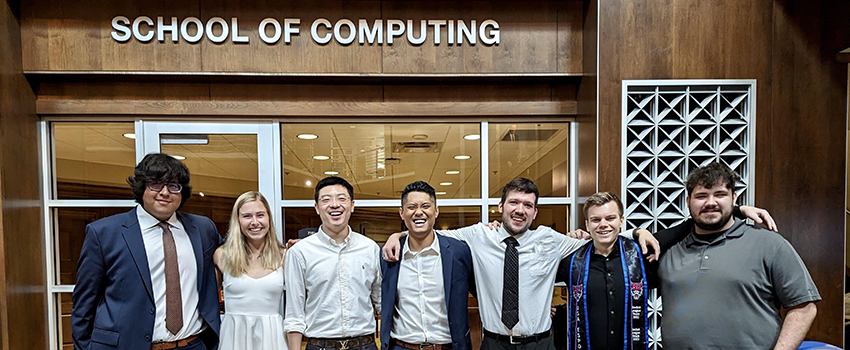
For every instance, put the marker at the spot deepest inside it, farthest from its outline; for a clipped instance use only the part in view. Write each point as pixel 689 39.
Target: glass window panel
pixel 93 160
pixel 380 159
pixel 71 224
pixel 377 223
pixel 64 325
pixel 221 165
pixel 538 151
pixel 555 216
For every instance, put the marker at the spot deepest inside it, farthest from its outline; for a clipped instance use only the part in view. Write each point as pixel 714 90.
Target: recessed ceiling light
pixel 453 172
pixel 439 193
pixel 419 137
pixel 179 157
pixel 472 137
pixel 201 194
pixel 331 172
pixel 462 157
pixel 321 157
pixel 380 177
pixel 130 135
pixel 309 183
pixel 308 136
pixel 445 183
pixel 492 210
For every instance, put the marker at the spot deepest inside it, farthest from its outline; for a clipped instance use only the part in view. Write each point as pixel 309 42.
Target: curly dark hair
pixel 419 186
pixel 159 167
pixel 712 175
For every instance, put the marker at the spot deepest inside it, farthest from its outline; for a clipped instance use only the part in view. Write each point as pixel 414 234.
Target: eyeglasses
pixel 172 187
pixel 327 199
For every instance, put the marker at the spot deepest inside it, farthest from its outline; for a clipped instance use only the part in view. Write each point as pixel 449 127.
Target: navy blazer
pixel 457 273
pixel 113 300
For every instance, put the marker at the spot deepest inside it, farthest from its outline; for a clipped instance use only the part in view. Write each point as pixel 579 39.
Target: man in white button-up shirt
pixel 539 252
pixel 425 295
pixel 333 281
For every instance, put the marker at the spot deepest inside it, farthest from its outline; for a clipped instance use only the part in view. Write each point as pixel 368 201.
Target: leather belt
pixel 173 344
pixel 519 339
pixel 342 343
pixel 421 346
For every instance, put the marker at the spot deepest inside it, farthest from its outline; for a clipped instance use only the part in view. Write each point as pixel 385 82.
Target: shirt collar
pixel 732 232
pixel 330 241
pixel 435 246
pixel 504 234
pixel 146 220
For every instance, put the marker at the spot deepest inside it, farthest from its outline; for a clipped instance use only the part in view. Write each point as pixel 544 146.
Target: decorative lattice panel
pixel 669 128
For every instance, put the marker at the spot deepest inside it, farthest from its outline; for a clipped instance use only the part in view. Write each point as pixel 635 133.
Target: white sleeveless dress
pixel 252 319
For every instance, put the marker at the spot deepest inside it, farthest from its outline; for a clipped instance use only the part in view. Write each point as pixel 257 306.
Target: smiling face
pixel 254 221
pixel 604 223
pixel 419 213
pixel 162 204
pixel 334 206
pixel 711 208
pixel 518 211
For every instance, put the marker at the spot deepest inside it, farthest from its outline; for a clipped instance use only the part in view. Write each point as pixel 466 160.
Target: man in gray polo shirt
pixel 724 284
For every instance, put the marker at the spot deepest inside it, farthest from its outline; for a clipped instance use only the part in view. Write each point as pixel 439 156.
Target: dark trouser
pixel 488 343
pixel 372 346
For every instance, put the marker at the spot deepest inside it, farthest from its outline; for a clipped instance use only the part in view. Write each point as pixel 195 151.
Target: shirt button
pixel 609 274
pixel 153 311
pixel 612 312
pixel 612 332
pixel 706 257
pixel 611 292
pixel 147 338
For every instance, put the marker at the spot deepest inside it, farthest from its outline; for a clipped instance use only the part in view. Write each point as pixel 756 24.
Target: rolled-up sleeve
pixel 296 292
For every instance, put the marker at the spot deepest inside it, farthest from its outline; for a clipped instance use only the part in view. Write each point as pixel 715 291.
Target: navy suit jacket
pixel 113 300
pixel 457 273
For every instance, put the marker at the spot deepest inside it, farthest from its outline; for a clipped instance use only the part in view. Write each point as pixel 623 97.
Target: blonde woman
pixel 250 266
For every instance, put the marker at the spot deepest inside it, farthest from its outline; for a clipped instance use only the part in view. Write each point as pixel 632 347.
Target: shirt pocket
pixel 543 253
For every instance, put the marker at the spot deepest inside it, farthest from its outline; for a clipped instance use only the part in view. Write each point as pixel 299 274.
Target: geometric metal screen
pixel 669 128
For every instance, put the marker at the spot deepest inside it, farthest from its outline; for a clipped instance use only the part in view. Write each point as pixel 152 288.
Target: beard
pixel 712 225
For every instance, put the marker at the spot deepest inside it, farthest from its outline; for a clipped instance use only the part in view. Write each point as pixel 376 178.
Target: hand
pixel 552 312
pixel 392 248
pixel 292 242
pixel 760 217
pixel 493 225
pixel 646 239
pixel 579 234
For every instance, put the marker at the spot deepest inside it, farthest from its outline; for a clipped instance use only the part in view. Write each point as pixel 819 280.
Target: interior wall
pixel 22 281
pixel 790 49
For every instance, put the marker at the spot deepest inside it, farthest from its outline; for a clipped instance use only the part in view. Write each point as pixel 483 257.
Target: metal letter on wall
pixel 669 128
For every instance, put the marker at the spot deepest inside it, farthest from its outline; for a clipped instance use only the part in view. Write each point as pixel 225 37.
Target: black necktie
pixel 510 293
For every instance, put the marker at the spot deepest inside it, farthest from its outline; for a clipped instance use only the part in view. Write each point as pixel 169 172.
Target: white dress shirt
pixel 540 252
pixel 332 290
pixel 420 309
pixel 186 263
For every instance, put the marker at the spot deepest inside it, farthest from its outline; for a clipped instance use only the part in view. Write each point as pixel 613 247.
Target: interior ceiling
pixel 361 153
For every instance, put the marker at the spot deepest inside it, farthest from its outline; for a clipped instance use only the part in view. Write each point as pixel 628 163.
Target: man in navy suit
pixel 425 293
pixel 145 278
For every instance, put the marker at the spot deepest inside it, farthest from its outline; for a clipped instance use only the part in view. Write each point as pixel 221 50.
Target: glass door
pixel 224 159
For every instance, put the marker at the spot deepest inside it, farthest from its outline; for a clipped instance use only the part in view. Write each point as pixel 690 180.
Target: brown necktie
pixel 173 299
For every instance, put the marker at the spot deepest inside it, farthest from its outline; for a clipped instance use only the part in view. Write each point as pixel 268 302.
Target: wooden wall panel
pixel 801 106
pixel 586 99
pixel 23 321
pixel 809 117
pixel 302 55
pixel 73 35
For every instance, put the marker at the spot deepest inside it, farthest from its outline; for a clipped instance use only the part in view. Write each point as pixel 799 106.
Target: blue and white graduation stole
pixel 634 302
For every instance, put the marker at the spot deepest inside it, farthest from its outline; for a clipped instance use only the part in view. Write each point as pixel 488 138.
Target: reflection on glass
pixel 377 223
pixel 380 159
pixel 71 224
pixel 64 307
pixel 538 151
pixel 93 160
pixel 555 216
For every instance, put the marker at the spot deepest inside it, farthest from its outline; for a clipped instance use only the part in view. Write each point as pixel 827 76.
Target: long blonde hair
pixel 235 251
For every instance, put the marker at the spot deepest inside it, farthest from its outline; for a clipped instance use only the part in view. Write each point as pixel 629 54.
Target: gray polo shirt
pixel 727 294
